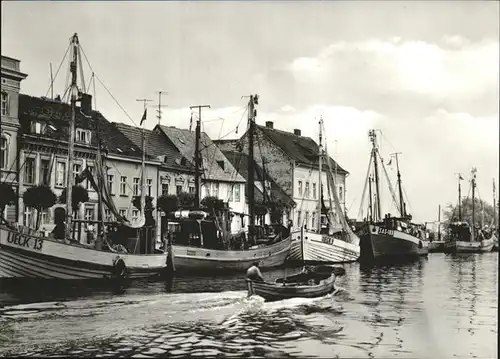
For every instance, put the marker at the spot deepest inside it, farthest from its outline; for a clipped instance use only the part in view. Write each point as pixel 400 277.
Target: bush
pixel 213 204
pixel 168 203
pixel 39 197
pixel 78 195
pixel 186 199
pixel 7 196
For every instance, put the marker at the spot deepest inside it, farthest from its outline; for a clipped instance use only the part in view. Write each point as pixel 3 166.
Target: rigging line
pixel 407 200
pixel 364 188
pixel 391 189
pixel 116 101
pixel 59 68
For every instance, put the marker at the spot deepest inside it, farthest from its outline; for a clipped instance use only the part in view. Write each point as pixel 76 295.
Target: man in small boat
pixel 253 273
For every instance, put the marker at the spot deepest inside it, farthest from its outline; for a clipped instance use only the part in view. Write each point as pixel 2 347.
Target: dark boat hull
pixel 379 243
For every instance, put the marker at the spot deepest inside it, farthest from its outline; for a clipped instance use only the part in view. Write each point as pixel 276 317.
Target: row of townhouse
pixel 34 137
pixel 291 160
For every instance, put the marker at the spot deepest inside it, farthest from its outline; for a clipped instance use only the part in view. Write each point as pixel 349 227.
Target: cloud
pixel 456 69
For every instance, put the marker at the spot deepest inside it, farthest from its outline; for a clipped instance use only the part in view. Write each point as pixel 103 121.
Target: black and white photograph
pixel 249 179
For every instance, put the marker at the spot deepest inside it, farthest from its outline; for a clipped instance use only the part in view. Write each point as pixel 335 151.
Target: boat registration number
pixel 327 240
pixel 25 241
pixel 387 232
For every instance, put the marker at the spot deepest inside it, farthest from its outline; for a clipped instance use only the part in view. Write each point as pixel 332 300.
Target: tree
pixel 186 199
pixel 78 195
pixel 276 209
pixel 149 208
pixel 451 212
pixel 213 204
pixel 7 197
pixel 167 203
pixel 40 198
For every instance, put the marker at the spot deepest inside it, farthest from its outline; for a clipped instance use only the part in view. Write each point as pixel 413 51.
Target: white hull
pixel 323 248
pixel 29 256
pixel 192 259
pixel 486 245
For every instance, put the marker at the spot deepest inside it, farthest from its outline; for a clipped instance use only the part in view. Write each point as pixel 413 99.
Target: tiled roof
pixel 240 162
pixel 184 140
pixel 302 149
pixel 57 115
pixel 157 146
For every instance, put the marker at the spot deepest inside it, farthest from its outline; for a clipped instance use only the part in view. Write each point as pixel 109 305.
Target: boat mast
pixel 459 199
pixel 401 201
pixel 473 200
pixel 494 206
pixel 254 100
pixel 197 157
pixel 370 209
pixel 320 164
pixel 373 138
pixel 439 223
pixel 71 142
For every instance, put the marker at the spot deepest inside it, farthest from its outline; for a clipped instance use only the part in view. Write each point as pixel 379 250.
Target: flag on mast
pixel 144 116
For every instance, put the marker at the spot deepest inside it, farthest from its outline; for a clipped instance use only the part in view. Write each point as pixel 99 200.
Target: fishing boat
pixel 311 282
pixel 336 243
pixel 494 227
pixel 391 237
pixel 197 237
pixel 28 253
pixel 467 238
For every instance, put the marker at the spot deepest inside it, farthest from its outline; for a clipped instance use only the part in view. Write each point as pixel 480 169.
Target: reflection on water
pixel 443 306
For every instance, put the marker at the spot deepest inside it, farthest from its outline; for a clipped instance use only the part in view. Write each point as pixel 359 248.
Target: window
pixel 299 223
pixel 306 194
pixel 230 192
pixel 313 224
pixel 107 215
pixel 4 152
pixel 123 213
pixel 306 220
pixel 149 184
pixel 340 193
pixel 111 187
pixel 89 213
pixel 60 174
pixel 300 188
pixel 314 190
pixel 178 189
pixel 76 170
pixel 29 170
pixel 37 128
pixel 89 184
pixel 44 172
pixel 44 217
pixel 237 192
pixel 216 189
pixel 123 186
pixel 191 189
pixel 83 136
pixel 28 216
pixel 135 215
pixel 136 186
pixel 221 164
pixel 164 188
pixel 5 104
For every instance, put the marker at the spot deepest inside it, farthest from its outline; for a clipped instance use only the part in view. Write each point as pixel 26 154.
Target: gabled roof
pixel 240 162
pixel 303 150
pixel 184 140
pixel 157 146
pixel 56 116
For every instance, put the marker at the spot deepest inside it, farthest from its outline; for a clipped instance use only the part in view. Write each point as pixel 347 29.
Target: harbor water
pixel 442 306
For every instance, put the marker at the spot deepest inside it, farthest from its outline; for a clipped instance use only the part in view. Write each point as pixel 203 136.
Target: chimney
pixel 296 132
pixel 269 124
pixel 86 104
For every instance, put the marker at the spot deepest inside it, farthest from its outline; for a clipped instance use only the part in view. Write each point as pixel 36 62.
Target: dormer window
pixel 221 164
pixel 5 103
pixel 37 128
pixel 183 161
pixel 83 136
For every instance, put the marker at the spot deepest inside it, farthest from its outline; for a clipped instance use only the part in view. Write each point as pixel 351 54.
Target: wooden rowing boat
pixel 310 283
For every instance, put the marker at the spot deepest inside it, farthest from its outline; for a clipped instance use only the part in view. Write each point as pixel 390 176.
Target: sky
pixel 426 74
